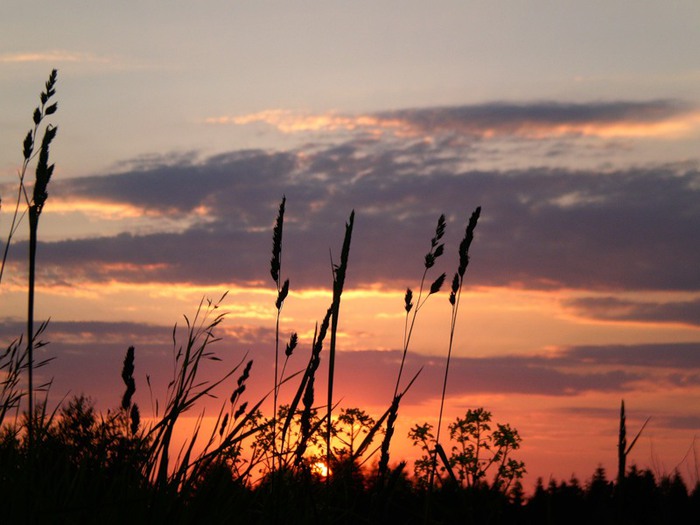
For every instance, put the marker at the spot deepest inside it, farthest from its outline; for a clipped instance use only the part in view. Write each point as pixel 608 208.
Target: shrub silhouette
pixel 478 450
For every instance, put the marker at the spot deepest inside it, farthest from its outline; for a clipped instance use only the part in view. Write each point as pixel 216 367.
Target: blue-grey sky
pixel 141 78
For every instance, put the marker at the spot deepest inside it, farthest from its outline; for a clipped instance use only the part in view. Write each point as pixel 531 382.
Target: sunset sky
pixel 574 125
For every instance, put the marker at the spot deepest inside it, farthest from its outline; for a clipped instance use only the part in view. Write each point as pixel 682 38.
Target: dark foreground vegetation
pixel 309 461
pixel 87 471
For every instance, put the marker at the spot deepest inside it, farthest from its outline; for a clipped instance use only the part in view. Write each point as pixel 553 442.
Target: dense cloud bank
pixel 606 230
pixel 632 228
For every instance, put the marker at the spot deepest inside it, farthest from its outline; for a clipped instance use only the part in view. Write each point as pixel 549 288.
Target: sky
pixel 574 125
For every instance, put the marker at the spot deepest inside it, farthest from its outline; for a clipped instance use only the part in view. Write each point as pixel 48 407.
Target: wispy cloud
pixel 53 56
pixel 657 118
pixel 84 60
pixel 678 356
pixel 546 119
pixel 617 309
pixel 294 122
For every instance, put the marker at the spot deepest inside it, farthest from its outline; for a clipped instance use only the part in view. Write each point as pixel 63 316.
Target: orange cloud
pixel 538 121
pixel 103 210
pixel 665 129
pixel 295 122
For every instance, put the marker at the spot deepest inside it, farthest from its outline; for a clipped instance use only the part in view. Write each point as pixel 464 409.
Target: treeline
pixel 87 469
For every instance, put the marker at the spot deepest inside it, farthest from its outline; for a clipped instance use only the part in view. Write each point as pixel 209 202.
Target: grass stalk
pixel 40 113
pixel 282 291
pixel 390 415
pixel 12 364
pixel 455 295
pixel 43 175
pixel 184 390
pixel 309 373
pixel 436 250
pixel 339 273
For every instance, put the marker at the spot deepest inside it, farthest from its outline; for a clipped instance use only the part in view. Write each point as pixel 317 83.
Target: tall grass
pixel 455 296
pixel 185 390
pixel 34 205
pixel 13 365
pixel 282 292
pixel 13 361
pixel 43 170
pixel 436 250
pixel 339 272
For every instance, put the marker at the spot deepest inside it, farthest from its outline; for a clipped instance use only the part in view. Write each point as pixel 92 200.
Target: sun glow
pixel 320 469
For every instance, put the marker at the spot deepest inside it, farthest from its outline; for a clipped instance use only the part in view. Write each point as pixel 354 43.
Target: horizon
pixel 574 127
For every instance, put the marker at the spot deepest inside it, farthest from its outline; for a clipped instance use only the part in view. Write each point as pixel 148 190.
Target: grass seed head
pixel 276 261
pixel 292 344
pixel 128 378
pixel 408 300
pixel 135 417
pixel 466 242
pixel 437 284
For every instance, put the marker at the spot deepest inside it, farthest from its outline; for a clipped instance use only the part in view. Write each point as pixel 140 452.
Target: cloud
pixel 666 418
pixel 89 60
pixel 605 119
pixel 288 121
pixel 681 356
pixel 52 56
pixel 631 229
pixel 494 120
pixel 615 309
pixel 87 353
pixel 526 375
pixel 162 185
pixel 570 371
pixel 678 422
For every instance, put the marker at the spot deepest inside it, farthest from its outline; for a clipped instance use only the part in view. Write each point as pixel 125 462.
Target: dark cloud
pixel 632 229
pixel 616 309
pixel 513 119
pixel 89 357
pixel 175 188
pixel 571 371
pixel 666 418
pixel 677 422
pixel 525 375
pixel 682 356
pixel 629 229
pixel 85 333
pixel 591 412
